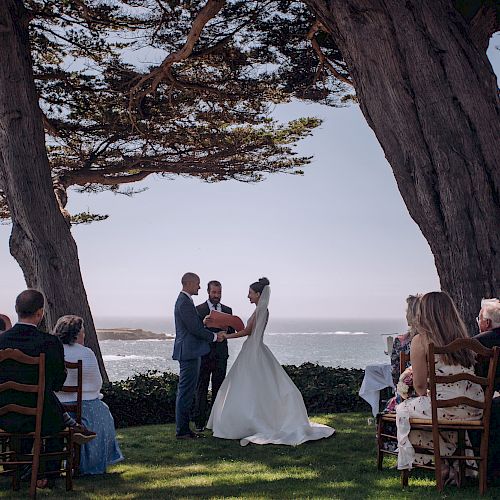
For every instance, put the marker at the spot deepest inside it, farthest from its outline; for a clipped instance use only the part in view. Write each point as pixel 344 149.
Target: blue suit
pixel 192 340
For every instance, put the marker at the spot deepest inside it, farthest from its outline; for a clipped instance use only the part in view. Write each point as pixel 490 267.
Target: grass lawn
pixel 344 467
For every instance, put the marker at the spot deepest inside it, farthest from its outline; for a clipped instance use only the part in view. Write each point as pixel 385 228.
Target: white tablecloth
pixel 377 377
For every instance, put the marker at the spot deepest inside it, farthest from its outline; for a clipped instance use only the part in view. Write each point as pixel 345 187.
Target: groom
pixel 192 341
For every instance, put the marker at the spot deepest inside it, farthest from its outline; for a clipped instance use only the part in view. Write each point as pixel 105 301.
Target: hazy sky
pixel 336 242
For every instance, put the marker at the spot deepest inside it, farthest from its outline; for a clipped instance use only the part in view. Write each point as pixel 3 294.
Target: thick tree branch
pixel 162 72
pixel 483 25
pixel 323 60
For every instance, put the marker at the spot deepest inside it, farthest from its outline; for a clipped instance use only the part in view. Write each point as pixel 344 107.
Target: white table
pixel 377 377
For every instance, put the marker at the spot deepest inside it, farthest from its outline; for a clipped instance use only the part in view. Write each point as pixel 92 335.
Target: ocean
pixel 348 343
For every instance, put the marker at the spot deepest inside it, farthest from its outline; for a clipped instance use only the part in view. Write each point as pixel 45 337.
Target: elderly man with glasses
pixel 489 328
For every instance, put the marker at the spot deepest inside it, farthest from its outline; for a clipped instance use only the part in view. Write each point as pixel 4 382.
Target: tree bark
pixel 430 95
pixel 41 239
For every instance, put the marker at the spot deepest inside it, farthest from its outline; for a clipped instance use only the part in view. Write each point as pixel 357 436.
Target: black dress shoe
pixel 189 435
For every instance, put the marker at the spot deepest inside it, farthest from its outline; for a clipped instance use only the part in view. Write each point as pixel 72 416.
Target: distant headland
pixel 130 334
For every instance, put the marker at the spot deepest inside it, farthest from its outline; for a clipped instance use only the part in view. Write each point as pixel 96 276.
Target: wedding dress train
pixel 258 402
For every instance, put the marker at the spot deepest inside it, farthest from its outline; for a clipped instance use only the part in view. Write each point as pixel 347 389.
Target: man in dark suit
pixel 489 328
pixel 213 364
pixel 192 341
pixel 26 337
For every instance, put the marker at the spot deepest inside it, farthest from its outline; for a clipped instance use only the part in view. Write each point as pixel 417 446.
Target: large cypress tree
pixel 75 112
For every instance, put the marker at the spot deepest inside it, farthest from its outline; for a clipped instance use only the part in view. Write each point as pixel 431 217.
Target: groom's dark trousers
pixel 192 341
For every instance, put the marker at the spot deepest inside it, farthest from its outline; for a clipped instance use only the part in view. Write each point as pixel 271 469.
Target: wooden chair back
pixel 487 383
pixel 404 359
pixel 38 389
pixel 76 389
pixel 75 408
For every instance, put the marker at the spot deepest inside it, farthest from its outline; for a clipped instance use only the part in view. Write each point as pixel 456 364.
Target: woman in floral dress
pixel 438 321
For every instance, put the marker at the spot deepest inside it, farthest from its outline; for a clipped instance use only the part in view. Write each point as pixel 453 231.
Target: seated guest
pixel 26 336
pixel 439 322
pixel 489 328
pixel 5 323
pixel 104 450
pixel 402 342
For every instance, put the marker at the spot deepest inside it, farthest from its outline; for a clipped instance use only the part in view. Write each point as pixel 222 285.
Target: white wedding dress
pixel 257 402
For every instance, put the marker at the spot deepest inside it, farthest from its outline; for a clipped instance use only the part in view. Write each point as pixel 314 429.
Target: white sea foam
pixel 154 340
pixel 317 333
pixel 123 357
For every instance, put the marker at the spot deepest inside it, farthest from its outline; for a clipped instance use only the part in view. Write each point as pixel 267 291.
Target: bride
pixel 257 402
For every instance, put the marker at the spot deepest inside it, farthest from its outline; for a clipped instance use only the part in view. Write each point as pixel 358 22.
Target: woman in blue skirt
pixel 104 450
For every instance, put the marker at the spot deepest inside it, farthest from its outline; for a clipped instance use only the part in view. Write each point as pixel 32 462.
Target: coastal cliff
pixel 130 334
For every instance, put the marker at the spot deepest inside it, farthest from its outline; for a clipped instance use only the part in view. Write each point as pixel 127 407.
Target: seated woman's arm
pixel 92 380
pixel 246 331
pixel 418 357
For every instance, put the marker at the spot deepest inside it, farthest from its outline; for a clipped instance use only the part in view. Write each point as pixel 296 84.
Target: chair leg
pixel 34 466
pixel 483 472
pixel 16 479
pixel 380 453
pixel 404 477
pixel 461 463
pixel 76 463
pixel 483 465
pixel 439 472
pixel 69 462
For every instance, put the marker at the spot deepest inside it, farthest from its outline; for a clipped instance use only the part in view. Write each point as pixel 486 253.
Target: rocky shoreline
pixel 130 334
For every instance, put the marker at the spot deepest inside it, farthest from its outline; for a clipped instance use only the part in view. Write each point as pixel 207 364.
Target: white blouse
pixel 92 380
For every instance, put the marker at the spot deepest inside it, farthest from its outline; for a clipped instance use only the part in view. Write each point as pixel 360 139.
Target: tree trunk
pixel 430 96
pixel 41 239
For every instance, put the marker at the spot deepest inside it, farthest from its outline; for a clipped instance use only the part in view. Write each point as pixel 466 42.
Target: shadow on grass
pixel 343 466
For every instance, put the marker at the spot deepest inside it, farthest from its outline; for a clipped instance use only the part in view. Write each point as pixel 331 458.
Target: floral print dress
pixel 420 407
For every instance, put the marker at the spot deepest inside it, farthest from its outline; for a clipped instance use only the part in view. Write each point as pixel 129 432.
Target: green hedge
pixel 149 398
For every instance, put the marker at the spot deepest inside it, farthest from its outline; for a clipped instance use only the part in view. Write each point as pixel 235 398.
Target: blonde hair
pixel 67 328
pixel 439 320
pixel 412 302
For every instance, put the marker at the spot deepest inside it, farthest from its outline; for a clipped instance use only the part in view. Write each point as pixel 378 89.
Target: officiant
pixel 213 364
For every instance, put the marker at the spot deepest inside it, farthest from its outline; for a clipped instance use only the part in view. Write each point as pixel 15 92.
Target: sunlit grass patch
pixel 158 466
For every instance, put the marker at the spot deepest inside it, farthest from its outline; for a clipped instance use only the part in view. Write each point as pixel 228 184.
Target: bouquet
pixel 405 384
pixel 404 390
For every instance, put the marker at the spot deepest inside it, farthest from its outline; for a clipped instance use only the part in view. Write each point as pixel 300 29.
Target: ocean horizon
pixel 165 324
pixel 343 342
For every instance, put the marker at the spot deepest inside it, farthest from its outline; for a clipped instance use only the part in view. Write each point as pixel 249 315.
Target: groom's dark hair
pixel 213 283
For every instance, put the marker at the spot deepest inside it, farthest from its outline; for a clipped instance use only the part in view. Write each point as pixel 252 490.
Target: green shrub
pixel 145 398
pixel 328 390
pixel 149 398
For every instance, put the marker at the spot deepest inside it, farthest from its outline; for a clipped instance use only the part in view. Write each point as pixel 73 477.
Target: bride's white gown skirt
pixel 258 402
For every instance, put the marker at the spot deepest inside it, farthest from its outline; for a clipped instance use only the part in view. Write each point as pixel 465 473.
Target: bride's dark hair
pixel 258 286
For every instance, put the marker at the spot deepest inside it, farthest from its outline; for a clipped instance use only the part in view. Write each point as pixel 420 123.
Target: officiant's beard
pixel 215 294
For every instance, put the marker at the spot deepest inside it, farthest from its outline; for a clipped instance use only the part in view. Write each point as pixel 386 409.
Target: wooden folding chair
pixel 436 426
pixel 75 408
pixel 387 421
pixel 11 457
